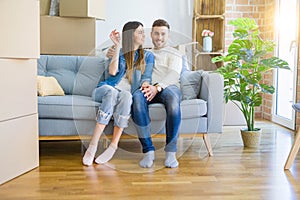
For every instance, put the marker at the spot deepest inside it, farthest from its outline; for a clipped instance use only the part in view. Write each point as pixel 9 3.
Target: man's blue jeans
pixel 171 98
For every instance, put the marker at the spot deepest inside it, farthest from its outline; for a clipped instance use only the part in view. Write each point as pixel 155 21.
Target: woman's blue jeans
pixel 113 102
pixel 171 98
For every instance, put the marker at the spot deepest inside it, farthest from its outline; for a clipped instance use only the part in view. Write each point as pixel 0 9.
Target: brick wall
pixel 268 33
pixel 263 11
pixel 255 9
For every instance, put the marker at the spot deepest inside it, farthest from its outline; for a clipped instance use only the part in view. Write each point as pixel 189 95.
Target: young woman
pixel 130 69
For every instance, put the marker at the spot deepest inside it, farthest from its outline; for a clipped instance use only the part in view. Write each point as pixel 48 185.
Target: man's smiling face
pixel 159 35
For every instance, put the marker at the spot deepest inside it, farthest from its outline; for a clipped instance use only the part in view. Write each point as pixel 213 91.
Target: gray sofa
pixel 74 114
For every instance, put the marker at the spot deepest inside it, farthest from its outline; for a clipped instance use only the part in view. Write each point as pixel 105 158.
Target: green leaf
pixel 243 86
pixel 231 81
pixel 226 95
pixel 217 59
pixel 255 33
pixel 256 100
pixel 263 68
pixel 275 62
pixel 254 78
pixel 244 23
pixel 235 96
pixel 237 45
pixel 258 44
pixel 230 57
pixel 244 72
pixel 240 33
pixel 269 46
pixel 267 89
pixel 247 55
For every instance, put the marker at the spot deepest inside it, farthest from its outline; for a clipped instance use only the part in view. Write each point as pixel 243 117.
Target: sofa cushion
pixel 63 127
pixel 190 83
pixel 47 86
pixel 82 107
pixel 67 107
pixel 194 108
pixel 90 72
pixel 77 75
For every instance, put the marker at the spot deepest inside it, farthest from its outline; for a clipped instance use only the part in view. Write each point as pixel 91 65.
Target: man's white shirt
pixel 167 67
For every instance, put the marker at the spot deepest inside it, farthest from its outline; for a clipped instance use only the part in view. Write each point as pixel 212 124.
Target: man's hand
pixel 145 84
pixel 149 91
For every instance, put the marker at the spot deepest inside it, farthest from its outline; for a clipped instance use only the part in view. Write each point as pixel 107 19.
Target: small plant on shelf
pixel 206 33
pixel 207 40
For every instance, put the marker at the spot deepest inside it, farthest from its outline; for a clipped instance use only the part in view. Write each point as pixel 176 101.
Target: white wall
pixel 178 13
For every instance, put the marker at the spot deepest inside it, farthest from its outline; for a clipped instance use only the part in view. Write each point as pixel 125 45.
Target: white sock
pixel 106 155
pixel 89 155
pixel 148 159
pixel 171 160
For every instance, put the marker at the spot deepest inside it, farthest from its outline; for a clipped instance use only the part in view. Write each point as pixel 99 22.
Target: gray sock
pixel 148 159
pixel 171 160
pixel 106 155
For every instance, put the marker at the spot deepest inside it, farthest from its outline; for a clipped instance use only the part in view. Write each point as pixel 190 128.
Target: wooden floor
pixel 233 172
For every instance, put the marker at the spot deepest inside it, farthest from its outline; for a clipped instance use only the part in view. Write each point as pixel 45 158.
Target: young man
pixel 165 89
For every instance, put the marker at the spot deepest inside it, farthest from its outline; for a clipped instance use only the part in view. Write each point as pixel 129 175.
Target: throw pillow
pixel 190 83
pixel 47 86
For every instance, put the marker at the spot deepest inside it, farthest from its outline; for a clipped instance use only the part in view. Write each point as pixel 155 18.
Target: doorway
pixel 287 21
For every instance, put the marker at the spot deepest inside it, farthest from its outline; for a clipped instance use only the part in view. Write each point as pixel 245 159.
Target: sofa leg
pixel 207 144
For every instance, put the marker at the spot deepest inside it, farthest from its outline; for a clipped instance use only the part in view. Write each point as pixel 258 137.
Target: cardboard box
pixel 19 35
pixel 44 7
pixel 82 8
pixel 18 88
pixel 68 36
pixel 19 146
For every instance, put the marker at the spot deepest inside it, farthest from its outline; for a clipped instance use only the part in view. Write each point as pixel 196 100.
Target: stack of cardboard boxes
pixel 19 51
pixel 73 32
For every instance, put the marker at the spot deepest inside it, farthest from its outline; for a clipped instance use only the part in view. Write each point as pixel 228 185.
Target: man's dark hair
pixel 161 22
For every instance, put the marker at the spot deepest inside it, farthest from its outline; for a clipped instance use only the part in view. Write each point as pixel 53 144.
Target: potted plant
pixel 248 58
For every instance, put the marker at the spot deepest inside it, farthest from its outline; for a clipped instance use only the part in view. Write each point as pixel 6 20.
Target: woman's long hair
pixel 128 51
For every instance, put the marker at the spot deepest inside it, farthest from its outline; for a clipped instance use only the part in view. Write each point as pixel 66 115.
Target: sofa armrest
pixel 212 91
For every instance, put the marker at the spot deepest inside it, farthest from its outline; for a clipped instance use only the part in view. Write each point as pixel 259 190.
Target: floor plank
pixel 234 172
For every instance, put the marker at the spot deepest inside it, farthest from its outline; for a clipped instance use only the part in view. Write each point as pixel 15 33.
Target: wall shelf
pixel 219 53
pixel 208 15
pixel 197 17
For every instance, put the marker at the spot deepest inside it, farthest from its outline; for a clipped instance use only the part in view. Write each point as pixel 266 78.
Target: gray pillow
pixel 190 83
